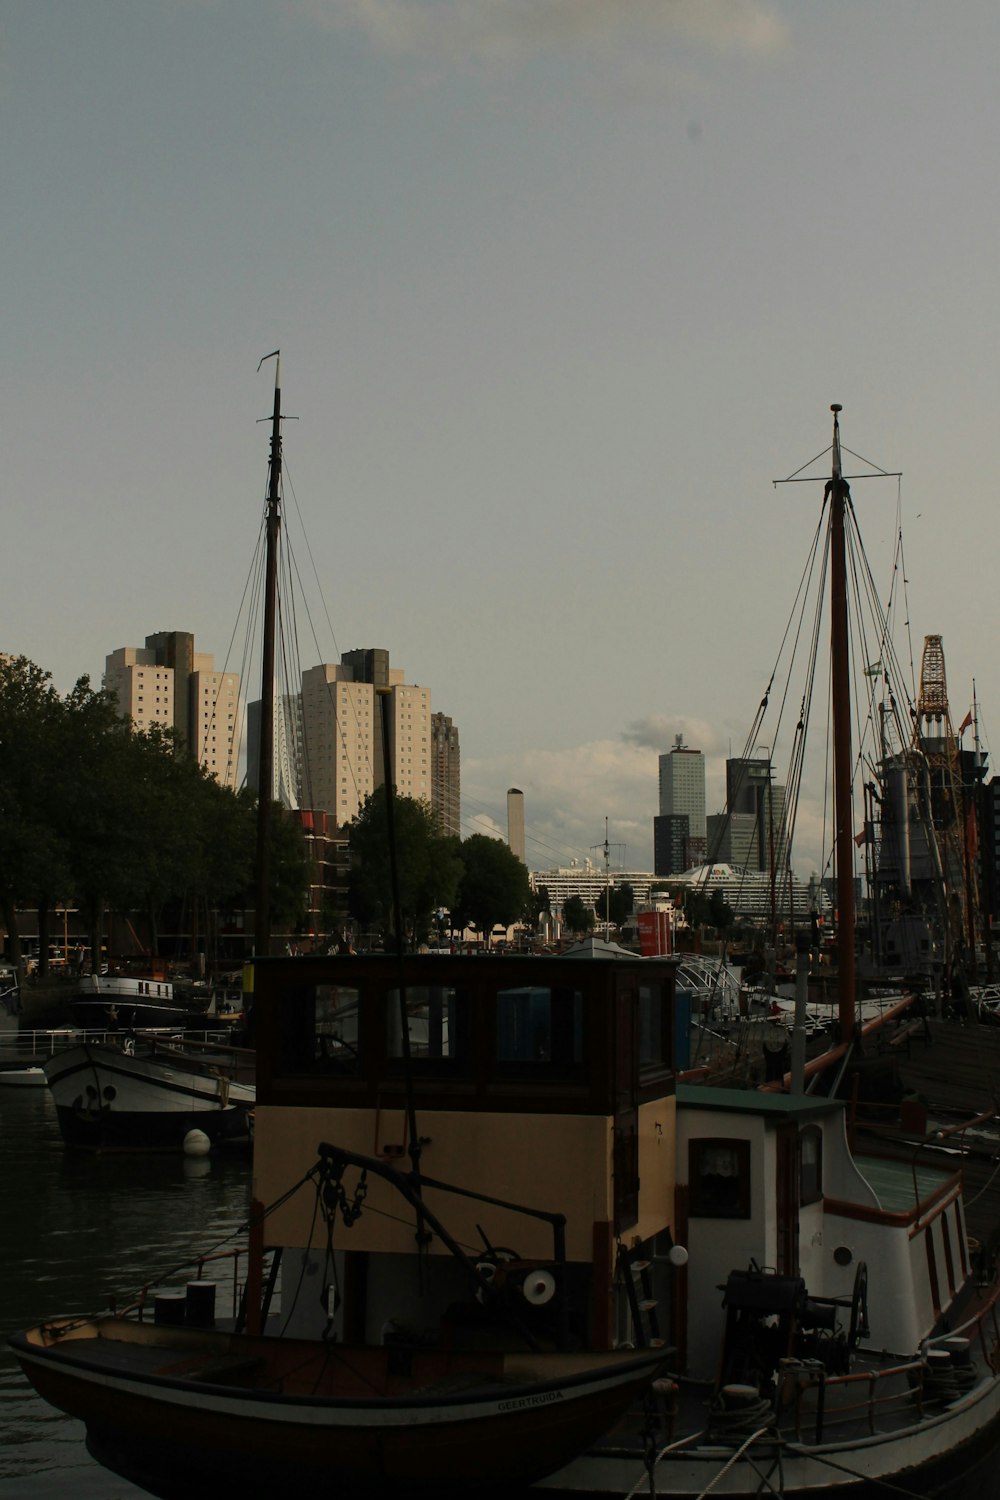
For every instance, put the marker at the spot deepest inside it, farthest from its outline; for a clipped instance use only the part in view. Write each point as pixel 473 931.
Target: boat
pixel 482 1196
pixel 10 998
pixel 141 1092
pixel 134 998
pixel 29 1077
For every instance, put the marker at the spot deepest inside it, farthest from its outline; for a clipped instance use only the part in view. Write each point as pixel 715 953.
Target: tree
pixel 494 888
pixel 577 916
pixel 428 861
pixel 615 905
pixel 33 854
pixel 537 903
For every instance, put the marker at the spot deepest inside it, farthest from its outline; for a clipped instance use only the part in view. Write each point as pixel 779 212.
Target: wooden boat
pixel 184 1411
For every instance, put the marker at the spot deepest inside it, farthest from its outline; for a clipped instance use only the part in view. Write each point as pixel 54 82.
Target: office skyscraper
pixel 682 795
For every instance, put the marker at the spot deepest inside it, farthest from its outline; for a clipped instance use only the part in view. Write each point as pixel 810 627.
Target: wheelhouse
pixel 546 1083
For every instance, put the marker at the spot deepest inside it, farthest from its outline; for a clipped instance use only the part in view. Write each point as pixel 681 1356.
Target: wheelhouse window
pixel 539 1029
pixel 319 1030
pixel 437 1024
pixel 719 1178
pixel 810 1164
pixel 655 1052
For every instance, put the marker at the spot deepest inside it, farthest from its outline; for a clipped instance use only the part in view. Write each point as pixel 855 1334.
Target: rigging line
pixel 250 638
pixel 236 625
pixel 333 637
pixel 795 472
pixel 304 1262
pixel 309 553
pixel 906 596
pixel 756 726
pixel 810 684
pixel 332 698
pixel 496 816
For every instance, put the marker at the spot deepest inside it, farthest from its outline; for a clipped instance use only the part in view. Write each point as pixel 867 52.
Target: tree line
pixel 446 884
pixel 100 815
pixel 103 816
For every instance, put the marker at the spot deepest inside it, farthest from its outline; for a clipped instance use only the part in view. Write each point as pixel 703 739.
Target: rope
pixel 761 1431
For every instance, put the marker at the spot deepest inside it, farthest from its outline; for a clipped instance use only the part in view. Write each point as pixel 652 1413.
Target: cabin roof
pixel 753 1102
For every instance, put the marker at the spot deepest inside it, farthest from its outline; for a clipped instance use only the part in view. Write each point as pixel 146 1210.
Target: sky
pixel 561 287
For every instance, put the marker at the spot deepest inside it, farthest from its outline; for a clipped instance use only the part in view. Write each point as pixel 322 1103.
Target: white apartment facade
pixel 342 739
pixel 186 694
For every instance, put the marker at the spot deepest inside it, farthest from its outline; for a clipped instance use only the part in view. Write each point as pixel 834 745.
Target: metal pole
pixel 265 782
pixel 840 494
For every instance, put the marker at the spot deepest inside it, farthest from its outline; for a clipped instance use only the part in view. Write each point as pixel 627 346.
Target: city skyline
pixel 558 296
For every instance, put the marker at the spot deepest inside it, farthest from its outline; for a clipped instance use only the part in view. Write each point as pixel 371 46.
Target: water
pixel 76 1231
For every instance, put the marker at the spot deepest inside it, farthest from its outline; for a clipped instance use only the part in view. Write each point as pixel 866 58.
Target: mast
pixel 840 495
pixel 265 782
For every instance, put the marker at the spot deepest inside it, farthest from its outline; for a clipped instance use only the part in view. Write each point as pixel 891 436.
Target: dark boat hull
pixel 154 1415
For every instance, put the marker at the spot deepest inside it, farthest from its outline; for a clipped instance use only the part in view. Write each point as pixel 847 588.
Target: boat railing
pixel 26 1044
pixel 145 1302
pixel 834 1401
pixel 822 1401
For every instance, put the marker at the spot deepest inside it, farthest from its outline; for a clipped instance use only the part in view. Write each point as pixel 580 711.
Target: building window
pixel 719 1178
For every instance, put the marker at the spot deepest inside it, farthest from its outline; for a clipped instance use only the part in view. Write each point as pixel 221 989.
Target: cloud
pixel 498 32
pixel 568 793
pixel 659 731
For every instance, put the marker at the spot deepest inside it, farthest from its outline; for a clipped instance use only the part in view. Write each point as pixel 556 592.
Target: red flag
pixel 965 722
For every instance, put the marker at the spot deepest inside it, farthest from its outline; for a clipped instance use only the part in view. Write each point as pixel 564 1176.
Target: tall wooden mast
pixel 840 496
pixel 265 782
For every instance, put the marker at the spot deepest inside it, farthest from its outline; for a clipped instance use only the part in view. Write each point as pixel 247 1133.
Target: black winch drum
pixel 200 1304
pixel 169 1308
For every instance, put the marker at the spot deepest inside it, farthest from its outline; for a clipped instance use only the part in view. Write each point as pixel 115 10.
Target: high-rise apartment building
pixel 342 733
pixel 446 775
pixel 167 682
pixel 682 796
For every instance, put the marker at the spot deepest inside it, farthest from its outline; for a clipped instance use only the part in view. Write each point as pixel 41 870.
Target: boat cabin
pixel 767 1185
pixel 542 1089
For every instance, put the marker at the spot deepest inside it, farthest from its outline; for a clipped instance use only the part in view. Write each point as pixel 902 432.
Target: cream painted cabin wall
pixel 561 1163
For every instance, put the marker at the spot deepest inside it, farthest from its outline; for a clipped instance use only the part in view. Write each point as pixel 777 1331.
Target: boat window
pixel 810 1165
pixel 719 1178
pixel 539 1027
pixel 437 1023
pixel 319 1030
pixel 654 1029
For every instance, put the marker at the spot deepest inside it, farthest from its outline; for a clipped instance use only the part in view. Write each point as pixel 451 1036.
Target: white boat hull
pixel 107 1099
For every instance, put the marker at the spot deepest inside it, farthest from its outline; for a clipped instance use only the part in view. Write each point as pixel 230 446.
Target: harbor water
pixel 77 1231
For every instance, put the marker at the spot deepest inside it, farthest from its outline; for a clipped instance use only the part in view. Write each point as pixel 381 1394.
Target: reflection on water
pixel 77 1232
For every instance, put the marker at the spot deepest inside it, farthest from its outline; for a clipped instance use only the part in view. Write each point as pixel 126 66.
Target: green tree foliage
pixel 615 905
pixel 33 853
pixel 703 910
pixel 577 916
pixel 428 861
pixel 99 813
pixel 537 903
pixel 494 889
